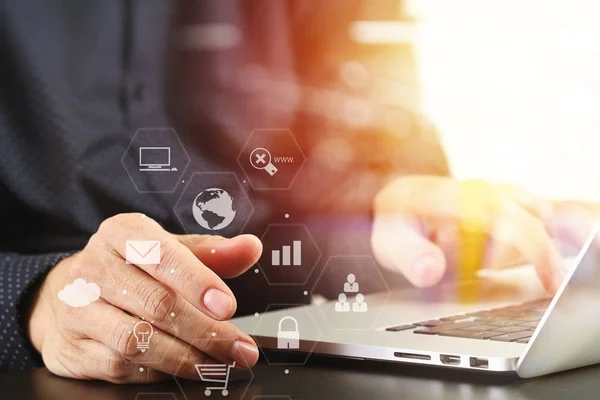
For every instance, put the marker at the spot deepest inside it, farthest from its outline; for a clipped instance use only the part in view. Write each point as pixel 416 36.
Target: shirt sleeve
pixel 20 278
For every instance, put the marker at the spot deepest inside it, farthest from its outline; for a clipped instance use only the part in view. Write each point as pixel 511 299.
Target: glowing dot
pixel 141 369
pixel 306 292
pixel 214 334
pixel 287 371
pixel 287 215
pixel 256 270
pixel 172 270
pixel 213 251
pixel 256 314
pixel 182 181
pixel 172 314
pixel 124 291
pixel 244 181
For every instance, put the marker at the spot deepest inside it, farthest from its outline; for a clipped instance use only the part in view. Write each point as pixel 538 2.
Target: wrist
pixel 41 315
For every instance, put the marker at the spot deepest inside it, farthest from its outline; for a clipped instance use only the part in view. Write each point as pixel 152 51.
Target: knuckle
pixel 78 267
pixel 160 302
pixel 170 256
pixel 109 224
pixel 124 340
pixel 115 368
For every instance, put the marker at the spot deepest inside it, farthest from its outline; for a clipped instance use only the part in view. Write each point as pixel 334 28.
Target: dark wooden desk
pixel 321 379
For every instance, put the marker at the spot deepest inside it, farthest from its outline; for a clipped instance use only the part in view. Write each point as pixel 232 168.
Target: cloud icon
pixel 79 293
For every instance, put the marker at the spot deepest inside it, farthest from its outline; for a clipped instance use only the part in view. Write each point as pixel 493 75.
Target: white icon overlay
pixel 79 293
pixel 287 256
pixel 288 339
pixel 155 159
pixel 143 332
pixel 351 286
pixel 260 158
pixel 215 373
pixel 359 305
pixel 213 209
pixel 142 252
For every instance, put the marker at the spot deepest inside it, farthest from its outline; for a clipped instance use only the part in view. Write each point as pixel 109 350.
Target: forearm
pixel 20 278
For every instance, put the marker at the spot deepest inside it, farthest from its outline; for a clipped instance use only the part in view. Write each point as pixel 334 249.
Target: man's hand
pixel 183 297
pixel 425 226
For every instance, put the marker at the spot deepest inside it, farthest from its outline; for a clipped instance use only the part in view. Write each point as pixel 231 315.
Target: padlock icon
pixel 288 339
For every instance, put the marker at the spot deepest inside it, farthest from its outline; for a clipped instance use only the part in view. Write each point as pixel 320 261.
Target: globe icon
pixel 213 209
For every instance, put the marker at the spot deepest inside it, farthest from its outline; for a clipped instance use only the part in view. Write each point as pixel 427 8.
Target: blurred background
pixel 512 86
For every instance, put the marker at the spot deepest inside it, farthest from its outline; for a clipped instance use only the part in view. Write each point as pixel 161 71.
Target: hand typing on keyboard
pixel 426 226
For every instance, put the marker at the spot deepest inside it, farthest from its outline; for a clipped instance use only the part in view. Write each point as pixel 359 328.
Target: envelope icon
pixel 142 252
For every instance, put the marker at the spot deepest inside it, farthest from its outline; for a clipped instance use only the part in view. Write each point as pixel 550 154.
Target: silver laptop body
pixel 567 336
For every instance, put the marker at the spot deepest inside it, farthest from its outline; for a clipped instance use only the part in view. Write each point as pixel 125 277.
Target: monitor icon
pixel 154 159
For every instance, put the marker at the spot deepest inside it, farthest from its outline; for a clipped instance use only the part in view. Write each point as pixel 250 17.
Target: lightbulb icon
pixel 143 331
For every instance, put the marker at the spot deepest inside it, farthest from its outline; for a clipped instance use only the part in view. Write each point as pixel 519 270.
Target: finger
pixel 132 290
pixel 516 227
pixel 571 224
pixel 228 258
pixel 534 204
pixel 179 268
pixel 399 244
pixel 101 362
pixel 118 331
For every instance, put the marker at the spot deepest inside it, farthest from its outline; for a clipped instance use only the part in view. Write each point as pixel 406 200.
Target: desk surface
pixel 321 378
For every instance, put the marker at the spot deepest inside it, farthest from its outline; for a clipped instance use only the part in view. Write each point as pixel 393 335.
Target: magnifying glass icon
pixel 261 159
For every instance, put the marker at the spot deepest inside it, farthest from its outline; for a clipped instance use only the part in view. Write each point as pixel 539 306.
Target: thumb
pixel 399 245
pixel 228 258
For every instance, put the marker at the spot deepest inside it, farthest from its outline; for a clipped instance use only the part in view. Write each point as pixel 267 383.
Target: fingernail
pixel 425 271
pixel 245 354
pixel 218 303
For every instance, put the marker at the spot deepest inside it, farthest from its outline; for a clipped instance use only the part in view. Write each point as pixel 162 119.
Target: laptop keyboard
pixel 507 324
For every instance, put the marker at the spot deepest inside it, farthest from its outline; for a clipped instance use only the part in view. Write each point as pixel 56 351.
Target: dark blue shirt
pixel 78 78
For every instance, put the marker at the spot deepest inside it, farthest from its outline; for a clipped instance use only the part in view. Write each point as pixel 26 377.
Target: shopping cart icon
pixel 218 373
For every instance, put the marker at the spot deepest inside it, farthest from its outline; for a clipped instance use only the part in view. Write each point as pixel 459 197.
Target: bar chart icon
pixel 288 255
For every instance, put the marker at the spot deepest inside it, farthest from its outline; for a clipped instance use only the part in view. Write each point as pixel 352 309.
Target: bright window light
pixel 514 87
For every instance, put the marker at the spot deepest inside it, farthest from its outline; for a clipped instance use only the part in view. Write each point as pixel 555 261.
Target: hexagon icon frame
pixel 181 171
pixel 377 316
pixel 243 165
pixel 312 268
pixel 215 232
pixel 312 346
pixel 217 391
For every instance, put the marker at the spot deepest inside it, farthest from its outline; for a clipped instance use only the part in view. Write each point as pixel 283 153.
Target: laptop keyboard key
pixel 485 334
pixel 427 331
pixel 530 324
pixel 501 322
pixel 400 328
pixel 511 329
pixel 511 337
pixel 430 323
pixel 457 333
pixel 479 328
pixel 454 318
pixel 524 340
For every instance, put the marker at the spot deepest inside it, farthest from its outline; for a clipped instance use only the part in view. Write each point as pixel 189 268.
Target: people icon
pixel 360 305
pixel 342 304
pixel 351 286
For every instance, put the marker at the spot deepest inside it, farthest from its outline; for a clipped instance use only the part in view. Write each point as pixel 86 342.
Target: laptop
pixel 506 332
